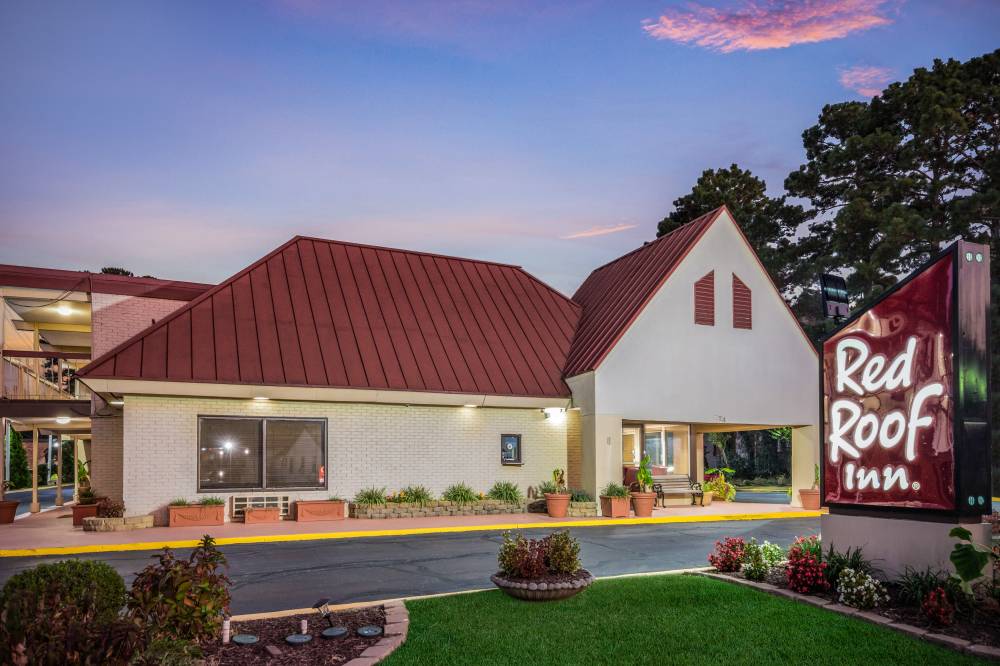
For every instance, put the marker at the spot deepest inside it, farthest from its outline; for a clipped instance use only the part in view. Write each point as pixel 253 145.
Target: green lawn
pixel 670 619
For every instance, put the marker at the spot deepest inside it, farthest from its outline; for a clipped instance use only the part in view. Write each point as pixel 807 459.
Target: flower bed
pixel 435 508
pixel 546 569
pixel 927 604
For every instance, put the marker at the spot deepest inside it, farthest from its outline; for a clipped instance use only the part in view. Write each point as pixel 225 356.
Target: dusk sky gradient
pixel 187 139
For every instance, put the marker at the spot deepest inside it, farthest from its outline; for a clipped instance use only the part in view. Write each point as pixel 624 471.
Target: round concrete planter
pixel 8 509
pixel 642 504
pixel 542 590
pixel 557 504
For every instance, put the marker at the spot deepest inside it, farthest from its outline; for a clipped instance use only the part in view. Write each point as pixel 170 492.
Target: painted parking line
pixel 248 617
pixel 414 531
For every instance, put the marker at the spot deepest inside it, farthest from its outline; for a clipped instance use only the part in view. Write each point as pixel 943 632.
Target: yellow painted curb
pixel 358 534
pixel 268 615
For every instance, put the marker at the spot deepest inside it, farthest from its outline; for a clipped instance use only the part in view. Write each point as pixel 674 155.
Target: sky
pixel 187 139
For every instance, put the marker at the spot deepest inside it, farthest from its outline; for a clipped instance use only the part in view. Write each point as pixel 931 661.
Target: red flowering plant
pixel 937 608
pixel 806 570
pixel 728 555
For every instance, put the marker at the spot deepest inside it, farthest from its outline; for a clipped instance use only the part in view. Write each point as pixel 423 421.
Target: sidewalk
pixel 52 533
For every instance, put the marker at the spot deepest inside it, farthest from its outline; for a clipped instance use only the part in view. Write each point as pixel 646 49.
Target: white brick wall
pixel 368 445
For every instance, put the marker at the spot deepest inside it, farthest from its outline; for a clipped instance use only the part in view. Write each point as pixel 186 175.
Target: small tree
pixel 20 473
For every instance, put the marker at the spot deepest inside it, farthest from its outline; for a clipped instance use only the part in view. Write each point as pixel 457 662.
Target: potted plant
pixel 614 501
pixel 208 511
pixel 8 508
pixel 810 496
pixel 315 510
pixel 86 507
pixel 720 487
pixel 261 514
pixel 643 501
pixel 556 496
pixel 541 569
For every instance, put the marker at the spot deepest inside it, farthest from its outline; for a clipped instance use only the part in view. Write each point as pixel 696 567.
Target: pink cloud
pixel 768 24
pixel 600 231
pixel 866 80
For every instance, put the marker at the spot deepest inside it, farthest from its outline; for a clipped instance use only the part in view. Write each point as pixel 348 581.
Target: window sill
pixel 512 464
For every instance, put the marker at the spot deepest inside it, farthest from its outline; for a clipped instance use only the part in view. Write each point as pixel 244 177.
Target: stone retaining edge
pixel 397 625
pixel 950 642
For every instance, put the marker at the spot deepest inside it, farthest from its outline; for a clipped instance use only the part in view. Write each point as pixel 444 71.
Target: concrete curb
pixel 950 642
pixel 415 531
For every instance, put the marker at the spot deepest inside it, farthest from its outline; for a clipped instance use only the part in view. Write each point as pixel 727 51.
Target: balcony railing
pixel 42 375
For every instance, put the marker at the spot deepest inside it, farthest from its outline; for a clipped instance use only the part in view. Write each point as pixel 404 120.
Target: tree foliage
pixel 769 223
pixel 20 472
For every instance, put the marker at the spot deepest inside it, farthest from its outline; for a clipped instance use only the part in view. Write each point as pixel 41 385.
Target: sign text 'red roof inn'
pixel 905 394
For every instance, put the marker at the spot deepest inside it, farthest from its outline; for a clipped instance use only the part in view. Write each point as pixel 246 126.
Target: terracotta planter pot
pixel 81 511
pixel 8 509
pixel 642 504
pixel 314 510
pixel 557 504
pixel 708 498
pixel 543 590
pixel 614 507
pixel 255 515
pixel 197 515
pixel 810 499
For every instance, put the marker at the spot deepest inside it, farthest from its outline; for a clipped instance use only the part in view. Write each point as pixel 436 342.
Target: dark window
pixel 295 454
pixel 256 454
pixel 742 302
pixel 229 454
pixel 704 300
pixel 510 449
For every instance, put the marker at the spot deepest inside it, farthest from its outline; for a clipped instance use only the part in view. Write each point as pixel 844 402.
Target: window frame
pixel 262 420
pixel 520 450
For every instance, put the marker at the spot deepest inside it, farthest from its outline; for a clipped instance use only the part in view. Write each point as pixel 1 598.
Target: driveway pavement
pixel 277 576
pixel 46 497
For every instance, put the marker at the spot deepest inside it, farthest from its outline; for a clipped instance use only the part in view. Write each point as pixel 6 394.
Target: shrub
pixel 850 559
pixel 914 585
pixel 937 608
pixel 558 553
pixel 614 490
pixel 547 487
pixel 370 497
pixel 522 558
pixel 559 480
pixel 334 498
pixel 211 501
pixel 717 483
pixel 773 554
pixel 460 494
pixel 179 501
pixel 580 496
pixel 563 552
pixel 858 589
pixel 755 567
pixel 67 612
pixel 728 555
pixel 805 572
pixel 168 652
pixel 505 491
pixel 87 496
pixel 182 599
pixel 109 508
pixel 415 495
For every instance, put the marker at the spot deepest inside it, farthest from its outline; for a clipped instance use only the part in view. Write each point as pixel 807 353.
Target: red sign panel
pixel 888 405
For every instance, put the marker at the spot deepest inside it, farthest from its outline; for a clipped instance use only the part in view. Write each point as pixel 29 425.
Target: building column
pixel 76 469
pixel 59 464
pixel 805 457
pixel 35 506
pixel 601 451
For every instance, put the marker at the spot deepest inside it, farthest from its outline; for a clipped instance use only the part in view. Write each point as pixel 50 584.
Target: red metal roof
pixel 614 294
pixel 324 313
pixel 99 283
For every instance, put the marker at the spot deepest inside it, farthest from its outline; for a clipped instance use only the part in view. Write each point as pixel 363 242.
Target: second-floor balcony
pixel 42 375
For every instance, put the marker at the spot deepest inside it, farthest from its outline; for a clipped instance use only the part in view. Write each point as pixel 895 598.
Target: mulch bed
pixel 318 651
pixel 981 626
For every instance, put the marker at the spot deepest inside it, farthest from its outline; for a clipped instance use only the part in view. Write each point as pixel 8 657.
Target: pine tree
pixel 20 472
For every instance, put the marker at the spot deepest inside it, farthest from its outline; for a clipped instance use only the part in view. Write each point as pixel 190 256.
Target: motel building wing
pixel 328 367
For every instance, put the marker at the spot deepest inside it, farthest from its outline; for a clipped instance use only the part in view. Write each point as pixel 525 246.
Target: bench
pixel 677 485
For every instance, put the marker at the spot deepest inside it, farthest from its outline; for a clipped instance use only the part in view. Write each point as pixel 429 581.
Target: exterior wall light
pixel 261 398
pixel 117 403
pixel 470 405
pixel 62 420
pixel 64 310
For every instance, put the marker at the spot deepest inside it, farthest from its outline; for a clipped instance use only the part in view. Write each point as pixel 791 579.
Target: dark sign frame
pixel 971 445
